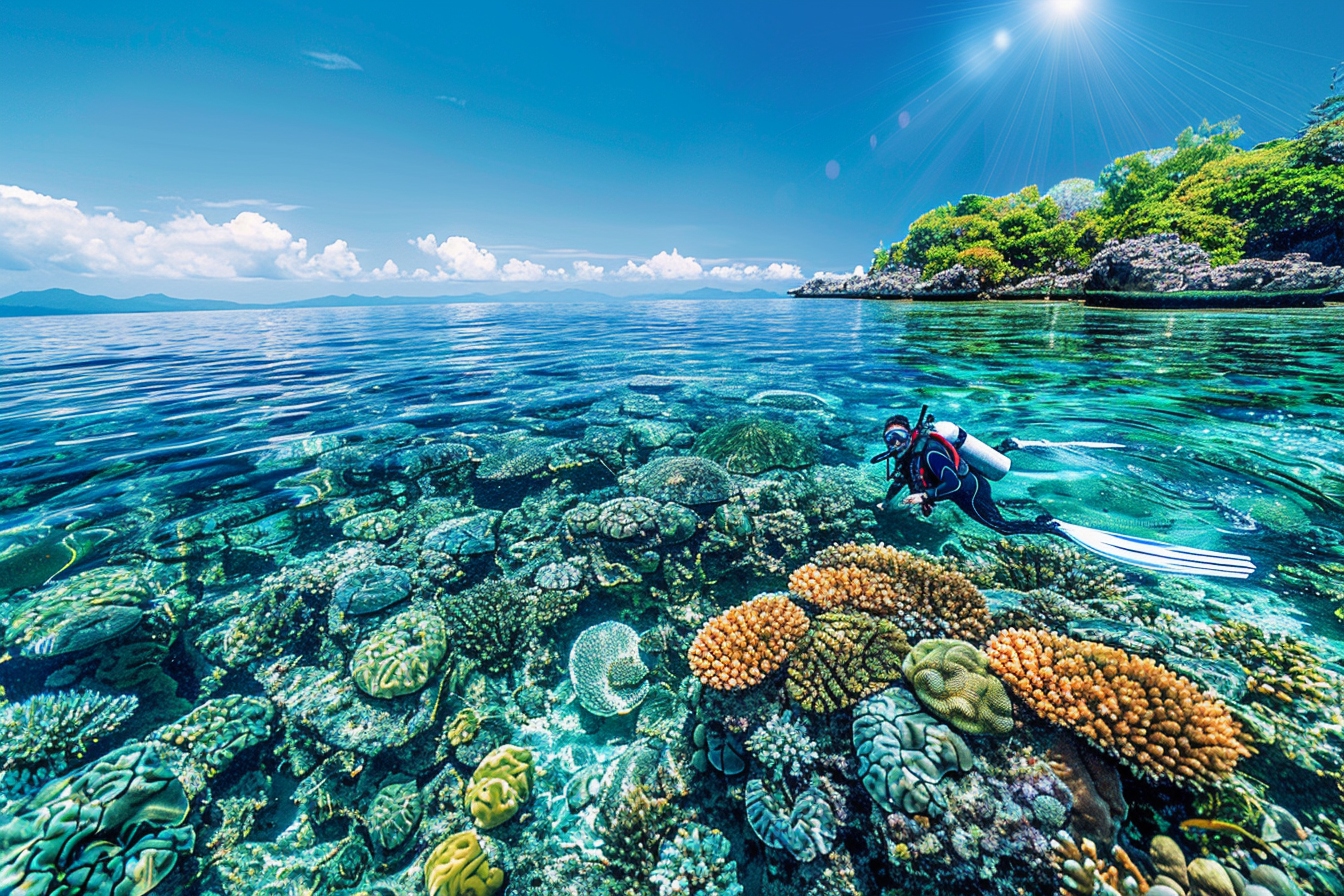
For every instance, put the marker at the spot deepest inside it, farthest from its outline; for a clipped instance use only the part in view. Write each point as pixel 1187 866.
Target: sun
pixel 1064 8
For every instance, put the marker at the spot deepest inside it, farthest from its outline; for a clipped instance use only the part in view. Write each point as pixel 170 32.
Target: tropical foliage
pixel 1285 195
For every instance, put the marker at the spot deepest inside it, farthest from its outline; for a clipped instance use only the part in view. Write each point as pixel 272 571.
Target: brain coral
pixel 604 666
pixel 924 599
pixel 685 480
pixel 806 829
pixel 843 658
pixel 400 656
pixel 952 679
pixel 738 648
pixel 1155 721
pixel 458 867
pixel 500 785
pixel 904 753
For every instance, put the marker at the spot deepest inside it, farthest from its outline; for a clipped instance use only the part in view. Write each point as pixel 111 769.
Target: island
pixel 1201 224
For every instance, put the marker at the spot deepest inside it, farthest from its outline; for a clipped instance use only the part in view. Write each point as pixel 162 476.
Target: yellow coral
pixel 500 786
pixel 738 648
pixel 458 867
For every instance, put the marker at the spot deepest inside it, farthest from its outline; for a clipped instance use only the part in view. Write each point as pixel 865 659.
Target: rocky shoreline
pixel 1158 272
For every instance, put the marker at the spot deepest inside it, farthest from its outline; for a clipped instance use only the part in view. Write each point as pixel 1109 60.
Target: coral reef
pixel 394 814
pixel 500 785
pixel 1153 720
pixel 923 598
pixel 738 648
pixel 1050 566
pixel 604 666
pixel 44 734
pixel 843 658
pixel 904 753
pixel 695 863
pixel 633 834
pixel 370 589
pixel 684 480
pixel 783 747
pixel 493 622
pixel 214 733
pixel 754 445
pixel 401 655
pixel 951 678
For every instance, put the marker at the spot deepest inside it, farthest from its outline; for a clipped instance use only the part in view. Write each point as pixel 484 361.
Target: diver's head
pixel 896 432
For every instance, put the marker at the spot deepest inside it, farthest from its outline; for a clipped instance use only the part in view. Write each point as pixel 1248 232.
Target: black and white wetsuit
pixel 931 470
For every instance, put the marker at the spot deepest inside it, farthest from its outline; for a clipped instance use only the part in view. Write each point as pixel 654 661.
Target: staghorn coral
pixel 951 678
pixel 1031 565
pixel 604 666
pixel 1279 666
pixel 1155 721
pixel 923 598
pixel 459 867
pixel 401 655
pixel 500 785
pixel 115 826
pixel 783 746
pixel 738 648
pixel 1086 873
pixel 695 863
pixel 843 658
pixel 633 834
pixel 46 732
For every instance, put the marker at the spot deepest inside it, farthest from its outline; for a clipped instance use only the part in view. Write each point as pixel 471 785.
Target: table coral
pixel 923 598
pixel 738 648
pixel 604 666
pixel 843 658
pixel 951 678
pixel 1155 721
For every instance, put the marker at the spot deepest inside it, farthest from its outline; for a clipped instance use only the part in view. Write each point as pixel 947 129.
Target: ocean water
pixel 338 557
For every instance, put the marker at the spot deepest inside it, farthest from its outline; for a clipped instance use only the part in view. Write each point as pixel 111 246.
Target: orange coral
pixel 923 598
pixel 1152 719
pixel 737 649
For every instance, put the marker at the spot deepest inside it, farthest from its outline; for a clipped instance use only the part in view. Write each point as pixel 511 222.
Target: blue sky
pixel 277 151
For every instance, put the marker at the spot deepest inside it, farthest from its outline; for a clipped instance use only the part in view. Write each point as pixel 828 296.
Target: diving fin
pixel 1041 443
pixel 1157 555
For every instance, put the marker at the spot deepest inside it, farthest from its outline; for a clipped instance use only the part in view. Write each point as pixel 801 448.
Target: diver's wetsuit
pixel 934 473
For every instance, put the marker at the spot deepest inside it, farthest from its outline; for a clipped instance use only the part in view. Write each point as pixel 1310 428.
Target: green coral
pixel 46 732
pixel 114 827
pixel 215 732
pixel 952 679
pixel 633 832
pixel 905 753
pixel 754 445
pixel 401 655
pixel 843 658
pixel 495 622
pixel 459 867
pixel 500 785
pixel 394 814
pixel 1030 565
pixel 695 863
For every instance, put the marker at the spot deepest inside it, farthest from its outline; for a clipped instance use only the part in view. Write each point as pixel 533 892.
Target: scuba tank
pixel 983 459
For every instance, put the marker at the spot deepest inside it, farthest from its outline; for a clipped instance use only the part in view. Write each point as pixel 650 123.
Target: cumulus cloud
pixel 332 62
pixel 584 270
pixel 663 267
pixel 459 258
pixel 40 231
pixel 515 269
pixel 739 271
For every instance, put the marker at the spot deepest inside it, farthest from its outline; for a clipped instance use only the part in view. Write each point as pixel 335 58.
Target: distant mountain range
pixel 49 302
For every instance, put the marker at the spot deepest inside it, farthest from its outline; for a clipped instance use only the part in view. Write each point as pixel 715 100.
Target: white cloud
pixel 525 270
pixel 773 271
pixel 332 62
pixel 584 270
pixel 663 267
pixel 39 231
pixel 459 258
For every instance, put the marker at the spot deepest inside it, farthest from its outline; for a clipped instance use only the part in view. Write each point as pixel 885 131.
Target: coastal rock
pixel 956 280
pixel 1157 263
pixel 897 281
pixel 1293 272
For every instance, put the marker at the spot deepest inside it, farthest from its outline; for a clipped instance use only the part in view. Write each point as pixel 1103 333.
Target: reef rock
pixel 1156 263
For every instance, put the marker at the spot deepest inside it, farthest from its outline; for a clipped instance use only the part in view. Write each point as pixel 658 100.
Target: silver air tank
pixel 983 459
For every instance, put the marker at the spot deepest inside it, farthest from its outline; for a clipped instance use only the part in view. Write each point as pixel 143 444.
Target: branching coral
pixel 843 658
pixel 923 598
pixel 633 833
pixel 783 746
pixel 45 732
pixel 738 648
pixel 495 622
pixel 1152 719
pixel 1028 566
pixel 695 863
pixel 1279 666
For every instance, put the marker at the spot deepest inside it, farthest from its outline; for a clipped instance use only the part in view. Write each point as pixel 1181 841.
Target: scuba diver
pixel 940 461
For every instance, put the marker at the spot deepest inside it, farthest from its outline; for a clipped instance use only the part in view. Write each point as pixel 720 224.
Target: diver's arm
pixel 893 491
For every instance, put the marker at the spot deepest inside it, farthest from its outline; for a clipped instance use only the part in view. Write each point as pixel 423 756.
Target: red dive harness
pixel 919 472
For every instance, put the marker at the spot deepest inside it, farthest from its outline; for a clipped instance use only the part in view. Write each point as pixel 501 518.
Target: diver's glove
pixel 1008 444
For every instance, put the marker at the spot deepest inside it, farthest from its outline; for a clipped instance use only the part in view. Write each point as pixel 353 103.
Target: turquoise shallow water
pixel 217 456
